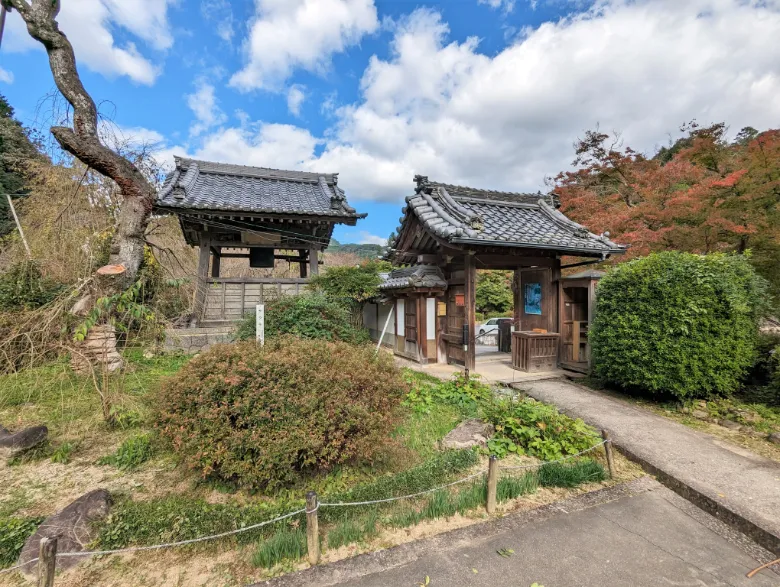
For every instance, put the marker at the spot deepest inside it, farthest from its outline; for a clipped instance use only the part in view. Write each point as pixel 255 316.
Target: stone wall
pixel 195 340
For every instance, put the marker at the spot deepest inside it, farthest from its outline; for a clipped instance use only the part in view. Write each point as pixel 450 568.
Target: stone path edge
pixel 760 535
pixel 377 561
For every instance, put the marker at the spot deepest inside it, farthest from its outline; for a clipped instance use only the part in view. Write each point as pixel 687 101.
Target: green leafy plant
pixel 534 428
pixel 262 416
pixel 131 454
pixel 494 292
pixel 13 534
pixel 23 287
pixel 310 316
pixel 678 324
pixel 465 394
pixel 63 453
pixel 355 283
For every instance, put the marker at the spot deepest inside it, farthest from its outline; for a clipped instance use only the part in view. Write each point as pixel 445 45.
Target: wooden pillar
pixel 302 262
pixel 203 272
pixel 215 260
pixel 422 337
pixel 518 297
pixel 470 275
pixel 314 259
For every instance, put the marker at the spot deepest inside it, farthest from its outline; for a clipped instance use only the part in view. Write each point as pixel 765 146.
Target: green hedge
pixel 678 324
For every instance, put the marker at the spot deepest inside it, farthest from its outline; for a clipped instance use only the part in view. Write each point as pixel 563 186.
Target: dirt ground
pixel 224 564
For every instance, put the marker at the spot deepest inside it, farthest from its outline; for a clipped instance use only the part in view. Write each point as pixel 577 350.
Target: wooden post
pixel 302 262
pixel 201 286
pixel 471 303
pixel 215 261
pixel 312 528
pixel 492 484
pixel 16 218
pixel 314 268
pixel 575 341
pixel 47 561
pixel 608 450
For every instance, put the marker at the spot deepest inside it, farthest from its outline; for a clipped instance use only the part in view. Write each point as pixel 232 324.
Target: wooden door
pixel 456 318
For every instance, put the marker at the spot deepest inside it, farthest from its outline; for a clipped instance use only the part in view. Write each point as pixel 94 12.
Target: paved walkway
pixel 641 537
pixel 732 483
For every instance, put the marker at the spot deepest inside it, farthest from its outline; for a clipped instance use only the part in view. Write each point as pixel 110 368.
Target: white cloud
pixel 289 34
pixel 506 5
pixel 366 238
pixel 220 12
pixel 505 121
pixel 89 26
pixel 6 76
pixel 278 146
pixel 203 104
pixel 295 98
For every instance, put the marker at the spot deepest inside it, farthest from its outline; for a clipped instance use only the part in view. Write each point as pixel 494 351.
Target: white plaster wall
pixel 430 318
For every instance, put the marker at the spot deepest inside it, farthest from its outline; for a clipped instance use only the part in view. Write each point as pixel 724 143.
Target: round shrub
pixel 677 324
pixel 312 316
pixel 260 417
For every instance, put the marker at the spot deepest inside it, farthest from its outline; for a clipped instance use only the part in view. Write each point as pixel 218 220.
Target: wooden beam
pixel 492 261
pixel 471 303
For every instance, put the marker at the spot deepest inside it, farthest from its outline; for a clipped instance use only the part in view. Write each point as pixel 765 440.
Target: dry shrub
pixel 261 417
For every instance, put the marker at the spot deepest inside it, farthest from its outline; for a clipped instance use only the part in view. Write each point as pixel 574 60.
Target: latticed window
pixel 410 320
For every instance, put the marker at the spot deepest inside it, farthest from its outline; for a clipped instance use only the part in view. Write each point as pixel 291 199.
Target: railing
pixel 230 298
pixel 48 554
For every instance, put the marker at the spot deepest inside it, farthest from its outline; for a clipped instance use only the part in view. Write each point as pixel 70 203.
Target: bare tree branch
pixel 83 140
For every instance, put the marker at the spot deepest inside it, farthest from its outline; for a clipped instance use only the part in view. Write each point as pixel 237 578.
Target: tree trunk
pixel 83 141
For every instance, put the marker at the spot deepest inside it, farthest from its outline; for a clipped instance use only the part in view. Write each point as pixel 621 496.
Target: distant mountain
pixel 364 251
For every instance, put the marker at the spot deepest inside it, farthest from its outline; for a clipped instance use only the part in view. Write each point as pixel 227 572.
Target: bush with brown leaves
pixel 260 417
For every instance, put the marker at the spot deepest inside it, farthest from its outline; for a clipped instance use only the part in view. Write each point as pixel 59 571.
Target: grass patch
pixel 131 454
pixel 284 545
pixel 421 432
pixel 440 468
pixel 177 517
pixel 354 531
pixel 13 534
pixel 471 496
pixel 69 404
pixel 440 505
pixel 571 474
pixel 510 487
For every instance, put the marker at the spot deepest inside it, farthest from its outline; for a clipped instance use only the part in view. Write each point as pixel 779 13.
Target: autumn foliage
pixel 262 417
pixel 702 194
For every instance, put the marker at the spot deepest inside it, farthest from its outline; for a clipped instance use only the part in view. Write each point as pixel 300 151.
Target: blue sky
pixel 489 93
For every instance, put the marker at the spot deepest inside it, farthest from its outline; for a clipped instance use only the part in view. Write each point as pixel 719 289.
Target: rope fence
pixel 48 546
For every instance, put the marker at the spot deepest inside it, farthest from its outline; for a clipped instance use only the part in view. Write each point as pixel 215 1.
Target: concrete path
pixel 731 483
pixel 644 536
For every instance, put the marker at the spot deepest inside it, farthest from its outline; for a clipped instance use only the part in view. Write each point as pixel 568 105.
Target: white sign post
pixel 260 324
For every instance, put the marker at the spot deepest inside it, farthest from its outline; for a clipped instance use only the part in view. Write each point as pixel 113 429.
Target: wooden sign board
pixel 441 309
pixel 460 299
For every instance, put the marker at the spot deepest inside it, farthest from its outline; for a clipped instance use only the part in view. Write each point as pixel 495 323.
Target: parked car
pixel 491 325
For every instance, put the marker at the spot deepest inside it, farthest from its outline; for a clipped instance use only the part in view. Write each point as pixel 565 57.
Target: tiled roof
pixel 471 216
pixel 222 187
pixel 417 276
